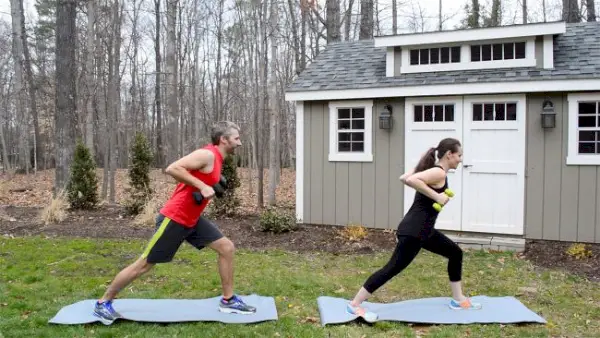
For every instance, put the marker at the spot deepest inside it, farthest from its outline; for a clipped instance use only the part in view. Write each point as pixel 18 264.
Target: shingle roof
pixel 358 64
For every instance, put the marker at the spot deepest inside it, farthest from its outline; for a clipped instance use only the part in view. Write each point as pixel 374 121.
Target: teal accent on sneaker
pixel 368 316
pixel 467 304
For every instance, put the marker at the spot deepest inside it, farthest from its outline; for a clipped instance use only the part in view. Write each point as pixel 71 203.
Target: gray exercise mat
pixel 169 310
pixel 435 310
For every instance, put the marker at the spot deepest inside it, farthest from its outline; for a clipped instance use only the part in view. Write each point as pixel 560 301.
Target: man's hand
pixel 208 192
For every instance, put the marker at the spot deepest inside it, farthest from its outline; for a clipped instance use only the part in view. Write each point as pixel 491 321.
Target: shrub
pixel 277 220
pixel 228 204
pixel 82 188
pixel 579 251
pixel 353 232
pixel 56 211
pixel 139 191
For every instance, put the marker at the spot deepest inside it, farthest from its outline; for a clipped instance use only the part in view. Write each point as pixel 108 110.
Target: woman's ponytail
pixel 427 161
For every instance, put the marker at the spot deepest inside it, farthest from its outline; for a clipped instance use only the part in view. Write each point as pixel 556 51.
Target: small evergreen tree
pixel 139 174
pixel 82 188
pixel 228 204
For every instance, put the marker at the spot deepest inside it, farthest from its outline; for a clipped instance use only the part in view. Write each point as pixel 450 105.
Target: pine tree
pixel 82 187
pixel 139 174
pixel 228 204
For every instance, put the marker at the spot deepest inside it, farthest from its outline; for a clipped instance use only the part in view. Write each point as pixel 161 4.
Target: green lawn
pixel 38 276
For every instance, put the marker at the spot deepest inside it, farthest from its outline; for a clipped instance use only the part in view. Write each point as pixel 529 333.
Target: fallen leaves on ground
pixel 36 189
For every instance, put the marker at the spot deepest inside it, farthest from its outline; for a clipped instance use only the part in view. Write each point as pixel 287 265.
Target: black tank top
pixel 420 219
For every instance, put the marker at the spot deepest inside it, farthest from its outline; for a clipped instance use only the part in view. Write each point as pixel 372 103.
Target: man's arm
pixel 196 160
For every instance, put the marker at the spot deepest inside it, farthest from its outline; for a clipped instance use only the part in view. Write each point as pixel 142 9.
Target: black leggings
pixel 408 248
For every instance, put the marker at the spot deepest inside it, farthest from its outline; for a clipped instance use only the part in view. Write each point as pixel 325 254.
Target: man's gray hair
pixel 222 128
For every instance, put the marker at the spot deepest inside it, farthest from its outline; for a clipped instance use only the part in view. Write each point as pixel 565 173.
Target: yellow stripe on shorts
pixel 157 234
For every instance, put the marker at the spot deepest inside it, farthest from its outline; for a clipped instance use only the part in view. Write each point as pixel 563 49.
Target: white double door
pixel 490 183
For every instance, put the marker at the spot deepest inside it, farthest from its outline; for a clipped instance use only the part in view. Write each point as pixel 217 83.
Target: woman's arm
pixel 421 181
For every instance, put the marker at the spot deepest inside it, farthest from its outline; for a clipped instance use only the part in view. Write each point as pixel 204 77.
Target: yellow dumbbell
pixel 438 206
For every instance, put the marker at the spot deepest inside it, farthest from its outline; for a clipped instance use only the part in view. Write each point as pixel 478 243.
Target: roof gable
pixel 359 64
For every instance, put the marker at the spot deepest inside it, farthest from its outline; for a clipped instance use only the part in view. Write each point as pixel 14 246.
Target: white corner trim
pixel 299 161
pixel 367 155
pixel 548 51
pixel 573 158
pixel 448 89
pixel 389 62
pixel 473 34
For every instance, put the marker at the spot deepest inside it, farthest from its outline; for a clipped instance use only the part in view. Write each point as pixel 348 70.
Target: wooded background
pixel 101 70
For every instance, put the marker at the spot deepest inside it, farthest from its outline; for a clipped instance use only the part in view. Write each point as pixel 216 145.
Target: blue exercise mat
pixel 435 310
pixel 169 311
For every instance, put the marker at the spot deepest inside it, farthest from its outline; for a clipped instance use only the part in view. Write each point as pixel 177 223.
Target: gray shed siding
pixel 342 193
pixel 562 202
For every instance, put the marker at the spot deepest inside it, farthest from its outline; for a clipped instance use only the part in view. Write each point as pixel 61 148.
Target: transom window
pixel 433 113
pixel 500 111
pixel 351 129
pixel 498 51
pixel 429 56
pixel 588 125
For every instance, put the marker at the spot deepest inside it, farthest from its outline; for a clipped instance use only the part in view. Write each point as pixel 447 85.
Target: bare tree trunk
pixel 525 11
pixel 591 10
pixel 366 19
pixel 90 83
pixel 20 105
pixel 66 105
pixel 333 20
pixel 571 11
pixel 274 111
pixel 160 160
pixel 32 88
pixel 440 22
pixel 172 81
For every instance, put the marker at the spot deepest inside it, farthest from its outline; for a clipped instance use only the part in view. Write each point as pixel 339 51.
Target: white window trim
pixel 367 154
pixel 465 59
pixel 573 158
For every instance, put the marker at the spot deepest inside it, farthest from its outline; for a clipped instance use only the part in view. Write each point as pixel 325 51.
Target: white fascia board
pixel 472 34
pixel 448 89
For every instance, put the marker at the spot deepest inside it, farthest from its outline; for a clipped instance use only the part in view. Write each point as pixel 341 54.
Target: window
pixel 498 111
pixel 584 129
pixel 433 113
pixel 430 56
pixel 498 51
pixel 350 131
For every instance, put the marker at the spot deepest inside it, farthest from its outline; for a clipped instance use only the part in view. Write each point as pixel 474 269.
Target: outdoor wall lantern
pixel 548 115
pixel 386 121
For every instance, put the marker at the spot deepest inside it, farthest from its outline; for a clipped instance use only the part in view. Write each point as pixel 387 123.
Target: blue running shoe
pixel 106 312
pixel 464 305
pixel 368 316
pixel 235 305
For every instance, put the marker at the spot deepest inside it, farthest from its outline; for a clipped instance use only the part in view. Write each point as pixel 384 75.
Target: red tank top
pixel 182 207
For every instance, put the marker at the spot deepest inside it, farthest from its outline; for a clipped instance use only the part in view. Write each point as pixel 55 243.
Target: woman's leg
pixel 404 253
pixel 440 244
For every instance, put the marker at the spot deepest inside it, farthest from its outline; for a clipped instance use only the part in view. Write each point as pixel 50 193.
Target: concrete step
pixel 478 242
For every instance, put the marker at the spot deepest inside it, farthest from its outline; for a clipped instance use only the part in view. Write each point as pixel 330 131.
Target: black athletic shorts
pixel 169 235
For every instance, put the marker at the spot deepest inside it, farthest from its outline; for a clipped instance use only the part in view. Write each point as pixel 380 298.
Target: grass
pixel 38 276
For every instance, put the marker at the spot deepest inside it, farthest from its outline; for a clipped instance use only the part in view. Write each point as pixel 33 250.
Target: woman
pixel 416 230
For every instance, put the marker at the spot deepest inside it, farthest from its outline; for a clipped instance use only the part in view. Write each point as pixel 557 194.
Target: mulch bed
pixel 109 222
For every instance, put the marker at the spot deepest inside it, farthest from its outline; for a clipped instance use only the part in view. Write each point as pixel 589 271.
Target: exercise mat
pixel 435 310
pixel 169 311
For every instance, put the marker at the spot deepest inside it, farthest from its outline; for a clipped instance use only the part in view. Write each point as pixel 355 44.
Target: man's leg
pixel 161 249
pixel 207 234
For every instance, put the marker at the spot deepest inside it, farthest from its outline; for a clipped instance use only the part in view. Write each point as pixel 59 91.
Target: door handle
pixel 467 165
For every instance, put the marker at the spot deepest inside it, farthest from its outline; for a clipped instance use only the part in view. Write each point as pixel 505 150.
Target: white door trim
pixel 451 219
pixel 521 125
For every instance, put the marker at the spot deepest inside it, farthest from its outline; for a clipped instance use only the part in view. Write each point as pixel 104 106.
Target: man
pixel 181 219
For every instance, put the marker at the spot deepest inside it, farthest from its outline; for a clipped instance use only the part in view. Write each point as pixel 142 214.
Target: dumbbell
pixel 438 207
pixel 219 189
